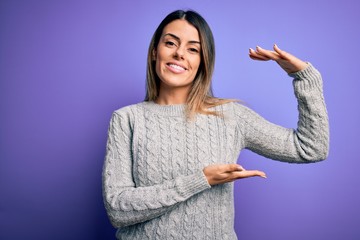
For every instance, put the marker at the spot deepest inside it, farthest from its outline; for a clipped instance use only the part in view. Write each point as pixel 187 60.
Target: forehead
pixel 182 29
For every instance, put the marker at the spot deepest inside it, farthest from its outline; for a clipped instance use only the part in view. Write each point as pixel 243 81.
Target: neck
pixel 172 96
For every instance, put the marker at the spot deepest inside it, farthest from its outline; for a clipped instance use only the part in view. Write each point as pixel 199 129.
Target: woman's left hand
pixel 286 61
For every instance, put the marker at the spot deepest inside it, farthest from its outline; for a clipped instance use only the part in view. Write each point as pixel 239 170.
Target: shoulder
pixel 129 109
pixel 239 111
pixel 127 114
pixel 235 107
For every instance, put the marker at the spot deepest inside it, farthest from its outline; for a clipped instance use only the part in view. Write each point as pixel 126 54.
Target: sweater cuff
pixel 192 184
pixel 307 79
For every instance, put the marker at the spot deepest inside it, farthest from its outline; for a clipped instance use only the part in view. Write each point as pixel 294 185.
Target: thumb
pixel 234 167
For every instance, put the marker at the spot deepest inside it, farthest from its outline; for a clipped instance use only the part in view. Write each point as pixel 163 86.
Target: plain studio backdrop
pixel 65 66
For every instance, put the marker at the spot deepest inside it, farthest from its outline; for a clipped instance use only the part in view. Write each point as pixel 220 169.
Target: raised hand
pixel 286 61
pixel 223 173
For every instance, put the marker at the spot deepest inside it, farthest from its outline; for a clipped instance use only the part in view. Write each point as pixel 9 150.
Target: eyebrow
pixel 178 39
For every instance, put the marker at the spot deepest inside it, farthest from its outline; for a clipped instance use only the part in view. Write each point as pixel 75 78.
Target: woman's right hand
pixel 223 173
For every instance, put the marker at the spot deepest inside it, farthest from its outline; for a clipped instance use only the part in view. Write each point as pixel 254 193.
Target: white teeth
pixel 176 67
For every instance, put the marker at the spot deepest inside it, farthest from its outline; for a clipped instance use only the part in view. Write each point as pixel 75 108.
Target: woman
pixel 171 159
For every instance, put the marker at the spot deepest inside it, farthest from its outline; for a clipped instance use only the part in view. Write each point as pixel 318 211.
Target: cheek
pixel 195 65
pixel 158 65
pixel 159 61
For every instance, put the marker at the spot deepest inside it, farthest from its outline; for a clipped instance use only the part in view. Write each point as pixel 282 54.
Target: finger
pixel 269 54
pixel 257 59
pixel 251 173
pixel 241 168
pixel 282 53
pixel 234 167
pixel 256 56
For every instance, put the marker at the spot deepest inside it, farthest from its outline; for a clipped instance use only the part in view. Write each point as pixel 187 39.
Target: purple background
pixel 66 65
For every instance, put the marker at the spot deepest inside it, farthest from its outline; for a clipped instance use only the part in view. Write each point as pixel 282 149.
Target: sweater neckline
pixel 165 110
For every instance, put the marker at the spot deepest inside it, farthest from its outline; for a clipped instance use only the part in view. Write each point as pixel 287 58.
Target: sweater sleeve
pixel 126 203
pixel 309 142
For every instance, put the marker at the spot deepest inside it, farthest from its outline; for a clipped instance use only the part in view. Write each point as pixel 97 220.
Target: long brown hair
pixel 200 97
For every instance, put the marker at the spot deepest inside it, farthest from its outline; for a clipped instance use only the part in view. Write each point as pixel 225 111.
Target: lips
pixel 176 67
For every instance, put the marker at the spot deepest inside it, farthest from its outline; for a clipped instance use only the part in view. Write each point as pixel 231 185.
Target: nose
pixel 179 52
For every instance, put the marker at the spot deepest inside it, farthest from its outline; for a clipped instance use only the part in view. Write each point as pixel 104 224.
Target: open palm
pixel 286 61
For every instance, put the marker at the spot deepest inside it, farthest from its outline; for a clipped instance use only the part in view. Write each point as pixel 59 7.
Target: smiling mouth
pixel 176 67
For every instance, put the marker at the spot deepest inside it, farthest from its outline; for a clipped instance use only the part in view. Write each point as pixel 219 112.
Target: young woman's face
pixel 178 55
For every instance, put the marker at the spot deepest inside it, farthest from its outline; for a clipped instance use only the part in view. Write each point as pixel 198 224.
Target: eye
pixel 170 43
pixel 193 50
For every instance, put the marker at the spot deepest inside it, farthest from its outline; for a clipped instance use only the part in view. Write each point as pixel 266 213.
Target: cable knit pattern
pixel 153 183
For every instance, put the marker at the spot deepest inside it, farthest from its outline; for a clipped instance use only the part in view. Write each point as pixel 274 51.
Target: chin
pixel 177 84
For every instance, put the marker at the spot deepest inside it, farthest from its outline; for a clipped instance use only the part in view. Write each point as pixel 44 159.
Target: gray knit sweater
pixel 153 183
